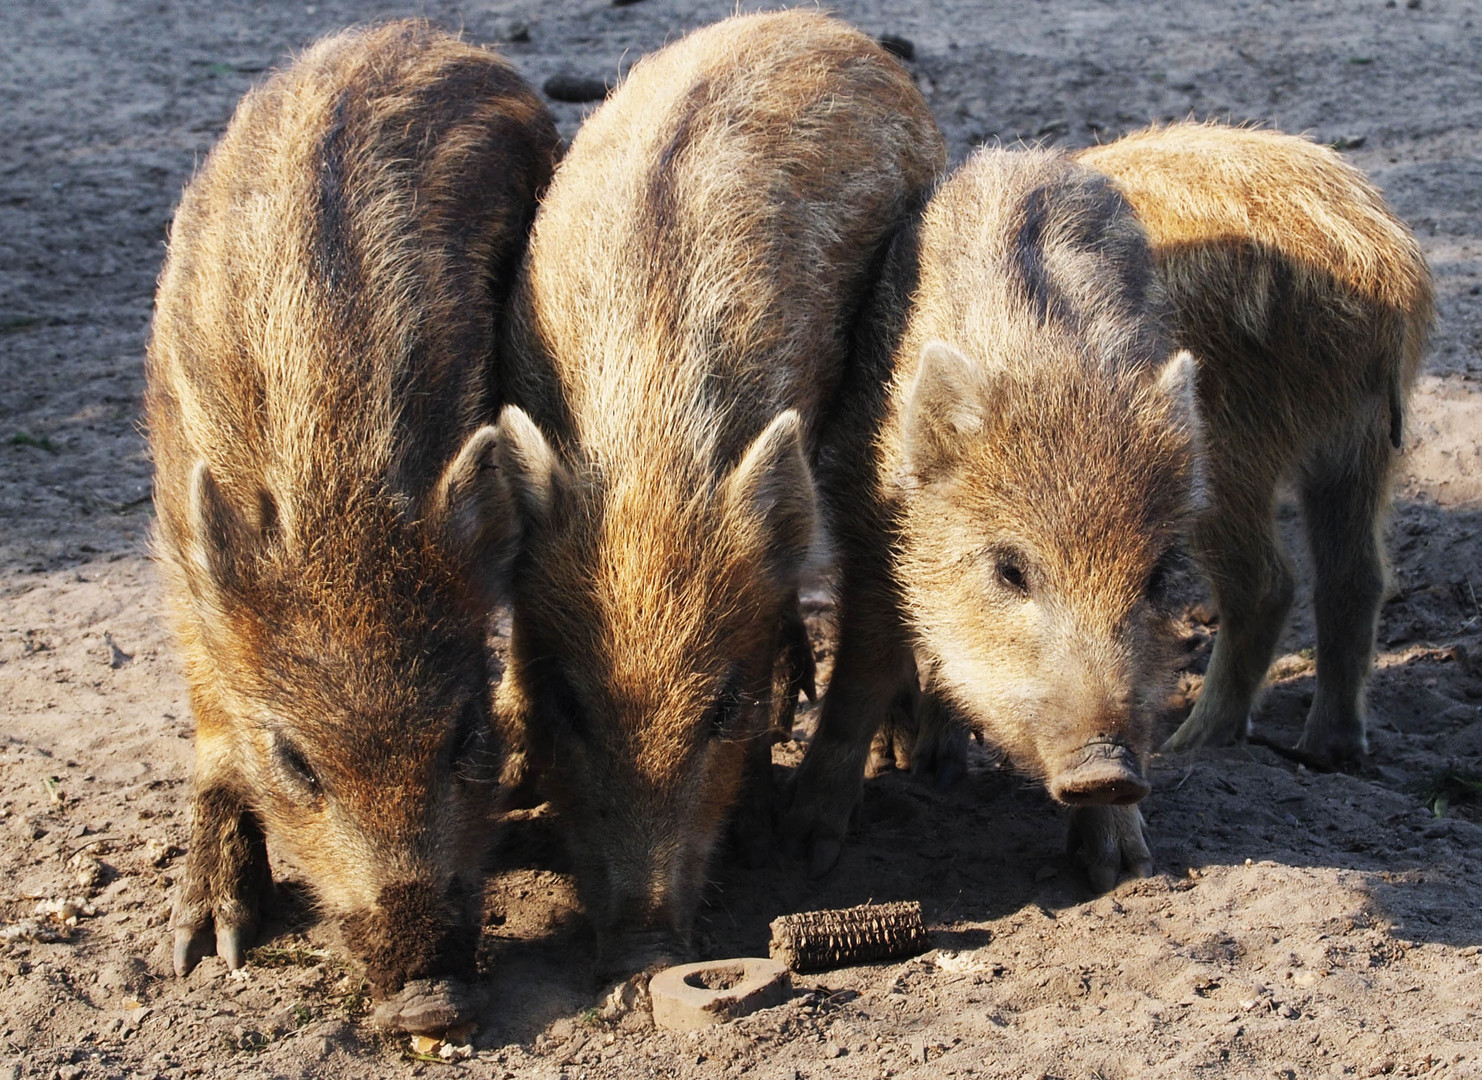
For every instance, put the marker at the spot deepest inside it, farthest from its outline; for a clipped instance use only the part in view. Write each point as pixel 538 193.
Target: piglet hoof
pixel 232 943
pixel 1334 749
pixel 636 954
pixel 1205 727
pixel 940 756
pixel 1108 842
pixel 823 855
pixel 191 944
pixel 822 799
pixel 430 1006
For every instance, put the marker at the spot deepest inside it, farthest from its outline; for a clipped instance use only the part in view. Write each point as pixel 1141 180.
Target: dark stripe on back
pixel 335 242
pixel 1027 255
pixel 658 228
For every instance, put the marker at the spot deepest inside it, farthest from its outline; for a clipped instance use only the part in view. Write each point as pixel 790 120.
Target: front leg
pixel 940 752
pixel 1108 840
pixel 873 666
pixel 225 877
pixel 795 671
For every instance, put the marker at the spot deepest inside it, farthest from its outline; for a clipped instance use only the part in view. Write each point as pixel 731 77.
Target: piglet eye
pixel 720 719
pixel 1011 573
pixel 560 698
pixel 475 759
pixel 1160 577
pixel 296 765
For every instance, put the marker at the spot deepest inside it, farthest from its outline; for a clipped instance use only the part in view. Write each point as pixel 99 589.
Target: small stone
pixel 90 872
pixel 832 1050
pixel 516 32
pixel 899 46
pixel 158 852
pixel 574 88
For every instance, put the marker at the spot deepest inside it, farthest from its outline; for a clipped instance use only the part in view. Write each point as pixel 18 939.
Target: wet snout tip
pixel 638 952
pixel 430 1006
pixel 1100 774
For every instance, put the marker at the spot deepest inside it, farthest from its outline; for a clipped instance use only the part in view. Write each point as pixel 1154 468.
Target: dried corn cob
pixel 820 940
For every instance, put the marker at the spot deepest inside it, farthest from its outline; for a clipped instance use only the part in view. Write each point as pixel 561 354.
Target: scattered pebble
pixel 575 88
pixel 90 872
pixel 904 48
pixel 158 852
pixel 33 930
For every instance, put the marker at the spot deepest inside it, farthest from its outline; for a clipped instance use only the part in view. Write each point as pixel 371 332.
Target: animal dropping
pixel 332 530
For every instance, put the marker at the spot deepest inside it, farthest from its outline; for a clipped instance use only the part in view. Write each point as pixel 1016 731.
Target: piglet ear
pixel 1178 381
pixel 945 409
pixel 770 501
pixel 223 543
pixel 474 505
pixel 538 481
pixel 1178 385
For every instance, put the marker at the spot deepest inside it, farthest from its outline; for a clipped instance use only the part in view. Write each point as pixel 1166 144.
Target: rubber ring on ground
pixel 694 996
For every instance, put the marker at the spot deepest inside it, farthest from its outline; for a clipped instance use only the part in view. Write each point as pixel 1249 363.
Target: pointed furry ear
pixel 475 506
pixel 1178 382
pixel 1178 379
pixel 770 495
pixel 945 409
pixel 223 543
pixel 536 476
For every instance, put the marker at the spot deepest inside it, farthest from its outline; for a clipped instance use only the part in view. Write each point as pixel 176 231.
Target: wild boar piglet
pixel 1307 305
pixel 332 527
pixel 1010 476
pixel 681 321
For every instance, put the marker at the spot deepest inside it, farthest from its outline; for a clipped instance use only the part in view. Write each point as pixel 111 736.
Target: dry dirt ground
pixel 1301 924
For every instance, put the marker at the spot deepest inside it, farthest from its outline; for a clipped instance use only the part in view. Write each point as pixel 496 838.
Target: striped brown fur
pixel 331 527
pixel 683 319
pixel 1307 304
pixel 1014 463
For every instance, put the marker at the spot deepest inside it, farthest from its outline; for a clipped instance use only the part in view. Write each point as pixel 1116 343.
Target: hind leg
pixel 1344 492
pixel 940 751
pixel 1252 581
pixel 873 666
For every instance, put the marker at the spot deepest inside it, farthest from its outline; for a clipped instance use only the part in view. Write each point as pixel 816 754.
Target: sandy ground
pixel 1301 924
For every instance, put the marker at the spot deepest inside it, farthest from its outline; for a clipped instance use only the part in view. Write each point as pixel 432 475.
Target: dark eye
pixel 559 698
pixel 475 759
pixel 296 765
pixel 1011 573
pixel 720 718
pixel 1160 577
